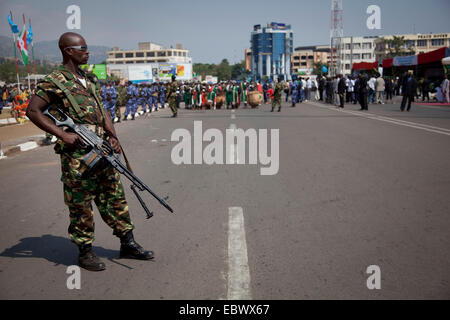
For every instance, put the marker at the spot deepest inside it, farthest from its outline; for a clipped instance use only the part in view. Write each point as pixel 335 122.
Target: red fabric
pixel 387 63
pixel 436 55
pixel 259 87
pixel 365 65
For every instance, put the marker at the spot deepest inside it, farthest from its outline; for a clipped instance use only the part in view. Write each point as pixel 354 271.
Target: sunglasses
pixel 80 48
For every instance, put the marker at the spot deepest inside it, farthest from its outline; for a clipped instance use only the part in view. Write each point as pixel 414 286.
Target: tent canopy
pixel 446 61
pixel 420 59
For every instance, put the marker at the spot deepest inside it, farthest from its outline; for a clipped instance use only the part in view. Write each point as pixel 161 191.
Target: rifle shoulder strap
pixel 126 160
pixel 69 96
pixel 98 101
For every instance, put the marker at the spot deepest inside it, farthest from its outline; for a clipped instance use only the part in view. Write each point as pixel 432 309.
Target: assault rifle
pixel 101 149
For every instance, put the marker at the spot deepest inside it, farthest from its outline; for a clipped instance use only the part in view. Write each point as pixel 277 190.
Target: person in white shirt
pixel 308 89
pixel 445 86
pixel 350 89
pixel 372 91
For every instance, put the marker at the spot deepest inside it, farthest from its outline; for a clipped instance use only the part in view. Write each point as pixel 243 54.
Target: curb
pixel 32 143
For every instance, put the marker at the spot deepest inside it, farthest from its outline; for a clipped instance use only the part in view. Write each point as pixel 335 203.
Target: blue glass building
pixel 272 47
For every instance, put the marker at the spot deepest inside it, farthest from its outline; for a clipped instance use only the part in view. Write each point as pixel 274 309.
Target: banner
pixel 140 73
pixel 98 69
pixel 166 70
pixel 405 61
pixel 180 70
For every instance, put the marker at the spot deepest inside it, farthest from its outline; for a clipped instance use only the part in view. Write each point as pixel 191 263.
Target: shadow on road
pixel 58 250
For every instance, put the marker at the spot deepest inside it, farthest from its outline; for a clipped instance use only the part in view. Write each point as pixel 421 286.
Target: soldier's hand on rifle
pixel 72 139
pixel 115 144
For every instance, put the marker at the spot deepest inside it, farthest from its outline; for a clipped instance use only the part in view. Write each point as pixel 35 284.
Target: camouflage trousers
pixel 173 105
pixel 104 188
pixel 276 102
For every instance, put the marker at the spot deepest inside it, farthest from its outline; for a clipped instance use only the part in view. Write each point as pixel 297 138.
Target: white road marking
pixel 154 140
pixel 399 122
pixel 238 269
pixel 233 116
pixel 233 157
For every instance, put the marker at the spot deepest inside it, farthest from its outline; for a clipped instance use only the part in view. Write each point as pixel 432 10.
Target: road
pixel 354 189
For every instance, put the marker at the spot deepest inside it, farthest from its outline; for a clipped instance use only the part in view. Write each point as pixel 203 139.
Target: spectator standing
pixel 445 86
pixel 409 93
pixel 380 87
pixel 372 83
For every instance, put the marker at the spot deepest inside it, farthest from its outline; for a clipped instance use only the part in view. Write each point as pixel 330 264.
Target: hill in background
pixel 49 51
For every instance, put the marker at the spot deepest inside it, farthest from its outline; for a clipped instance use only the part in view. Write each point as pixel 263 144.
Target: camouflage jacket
pixel 278 90
pixel 87 98
pixel 172 91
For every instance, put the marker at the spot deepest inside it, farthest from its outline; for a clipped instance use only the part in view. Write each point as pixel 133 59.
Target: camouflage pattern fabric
pixel 101 184
pixel 277 95
pixel 172 94
pixel 90 110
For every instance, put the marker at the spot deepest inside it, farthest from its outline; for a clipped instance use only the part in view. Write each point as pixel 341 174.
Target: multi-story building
pixel 148 53
pixel 151 62
pixel 415 43
pixel 355 50
pixel 272 47
pixel 304 58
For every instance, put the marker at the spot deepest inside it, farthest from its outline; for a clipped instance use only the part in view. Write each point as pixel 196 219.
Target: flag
pixel 22 45
pixel 29 34
pixel 14 27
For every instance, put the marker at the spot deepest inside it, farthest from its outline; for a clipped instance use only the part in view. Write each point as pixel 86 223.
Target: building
pixel 148 53
pixel 150 62
pixel 272 47
pixel 355 50
pixel 304 58
pixel 415 43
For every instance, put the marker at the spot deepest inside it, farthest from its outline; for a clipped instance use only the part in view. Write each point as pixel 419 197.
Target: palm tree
pixel 397 46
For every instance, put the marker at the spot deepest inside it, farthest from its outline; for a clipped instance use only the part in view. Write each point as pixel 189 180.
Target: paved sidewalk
pixel 15 138
pixel 19 137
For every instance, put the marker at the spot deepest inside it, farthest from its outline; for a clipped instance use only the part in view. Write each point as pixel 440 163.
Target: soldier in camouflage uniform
pixel 75 93
pixel 172 96
pixel 277 96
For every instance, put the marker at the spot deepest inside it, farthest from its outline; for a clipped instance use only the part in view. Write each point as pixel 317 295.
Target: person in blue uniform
pixel 111 99
pixel 155 95
pixel 162 95
pixel 294 93
pixel 131 101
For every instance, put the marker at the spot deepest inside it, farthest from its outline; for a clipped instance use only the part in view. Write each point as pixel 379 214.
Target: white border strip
pixel 238 269
pixel 404 123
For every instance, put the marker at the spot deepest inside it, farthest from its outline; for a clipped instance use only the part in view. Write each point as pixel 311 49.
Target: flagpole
pixel 28 66
pixel 15 56
pixel 34 60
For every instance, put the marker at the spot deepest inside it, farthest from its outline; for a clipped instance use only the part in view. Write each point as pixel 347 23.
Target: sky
pixel 213 30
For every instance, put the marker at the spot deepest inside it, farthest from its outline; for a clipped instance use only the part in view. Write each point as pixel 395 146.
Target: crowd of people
pixel 339 90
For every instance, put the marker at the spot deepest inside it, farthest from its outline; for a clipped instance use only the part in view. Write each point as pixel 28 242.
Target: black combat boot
pixel 129 249
pixel 88 260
